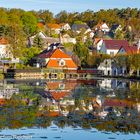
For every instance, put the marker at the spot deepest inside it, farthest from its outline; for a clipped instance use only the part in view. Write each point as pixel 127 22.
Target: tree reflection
pixel 85 106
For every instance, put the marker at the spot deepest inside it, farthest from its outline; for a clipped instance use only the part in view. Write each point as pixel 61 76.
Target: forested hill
pixel 17 25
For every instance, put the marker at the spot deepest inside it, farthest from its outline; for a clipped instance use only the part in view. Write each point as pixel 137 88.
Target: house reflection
pixel 113 84
pixel 58 96
pixel 6 91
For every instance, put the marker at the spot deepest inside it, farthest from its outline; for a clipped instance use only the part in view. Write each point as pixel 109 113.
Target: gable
pixel 104 25
pixel 122 51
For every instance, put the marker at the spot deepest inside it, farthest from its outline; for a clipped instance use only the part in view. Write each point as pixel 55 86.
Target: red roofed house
pixel 57 59
pixel 54 28
pixel 4 49
pixel 111 47
pixel 129 49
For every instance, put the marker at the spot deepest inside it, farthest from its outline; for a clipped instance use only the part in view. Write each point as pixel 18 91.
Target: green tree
pixel 46 16
pixel 16 36
pixel 62 17
pixel 38 42
pixel 29 23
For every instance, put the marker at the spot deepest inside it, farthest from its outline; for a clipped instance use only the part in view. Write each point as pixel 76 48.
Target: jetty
pixel 51 73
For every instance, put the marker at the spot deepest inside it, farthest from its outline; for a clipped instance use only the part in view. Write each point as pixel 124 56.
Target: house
pixel 5 49
pixel 127 50
pixel 111 47
pixel 58 95
pixel 40 34
pixel 56 58
pixel 40 25
pixel 109 67
pixel 51 40
pixel 67 39
pixel 65 26
pixel 102 27
pixel 53 28
pixel 106 67
pixel 79 27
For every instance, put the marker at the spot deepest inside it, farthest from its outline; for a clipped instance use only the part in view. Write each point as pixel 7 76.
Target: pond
pixel 99 109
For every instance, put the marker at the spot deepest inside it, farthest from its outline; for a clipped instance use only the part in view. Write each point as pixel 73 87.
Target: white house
pixel 106 67
pixel 67 39
pixel 102 27
pixel 109 67
pixel 5 49
pixel 111 47
pixel 65 26
pixel 54 28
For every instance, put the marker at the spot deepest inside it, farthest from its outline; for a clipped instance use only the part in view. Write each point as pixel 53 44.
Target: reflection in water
pixel 105 106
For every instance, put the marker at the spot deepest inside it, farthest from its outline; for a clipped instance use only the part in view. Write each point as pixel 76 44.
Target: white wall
pixel 110 51
pixel 99 45
pixel 4 51
pixel 105 28
pixel 66 27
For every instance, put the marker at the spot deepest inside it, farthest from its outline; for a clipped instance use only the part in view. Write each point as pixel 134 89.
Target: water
pixel 99 109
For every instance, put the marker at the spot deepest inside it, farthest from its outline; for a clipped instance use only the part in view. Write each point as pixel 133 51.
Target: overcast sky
pixel 56 6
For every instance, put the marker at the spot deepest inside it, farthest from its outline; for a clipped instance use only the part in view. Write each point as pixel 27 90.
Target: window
pixel 62 86
pixel 61 62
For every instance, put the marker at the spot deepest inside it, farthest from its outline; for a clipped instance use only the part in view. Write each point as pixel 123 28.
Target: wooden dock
pixel 50 74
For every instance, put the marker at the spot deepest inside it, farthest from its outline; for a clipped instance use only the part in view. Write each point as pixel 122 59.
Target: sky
pixel 56 6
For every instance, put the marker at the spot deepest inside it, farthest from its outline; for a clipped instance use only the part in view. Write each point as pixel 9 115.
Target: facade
pixel 5 49
pixel 109 67
pixel 65 26
pixel 67 39
pixel 57 59
pixel 102 27
pixel 56 28
pixel 79 27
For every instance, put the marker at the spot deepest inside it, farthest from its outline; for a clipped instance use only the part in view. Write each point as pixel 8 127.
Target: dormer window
pixel 62 86
pixel 62 62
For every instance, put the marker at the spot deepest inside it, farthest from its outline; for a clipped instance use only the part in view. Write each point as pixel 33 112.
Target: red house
pixel 58 59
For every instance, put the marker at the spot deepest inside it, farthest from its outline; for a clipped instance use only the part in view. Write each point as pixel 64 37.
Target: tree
pixel 46 16
pixel 29 53
pixel 62 17
pixel 38 42
pixel 29 23
pixel 119 34
pixel 16 36
pixel 82 52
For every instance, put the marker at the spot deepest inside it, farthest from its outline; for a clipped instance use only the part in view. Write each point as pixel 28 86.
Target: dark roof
pixel 48 52
pixel 115 44
pixel 114 27
pixel 77 27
